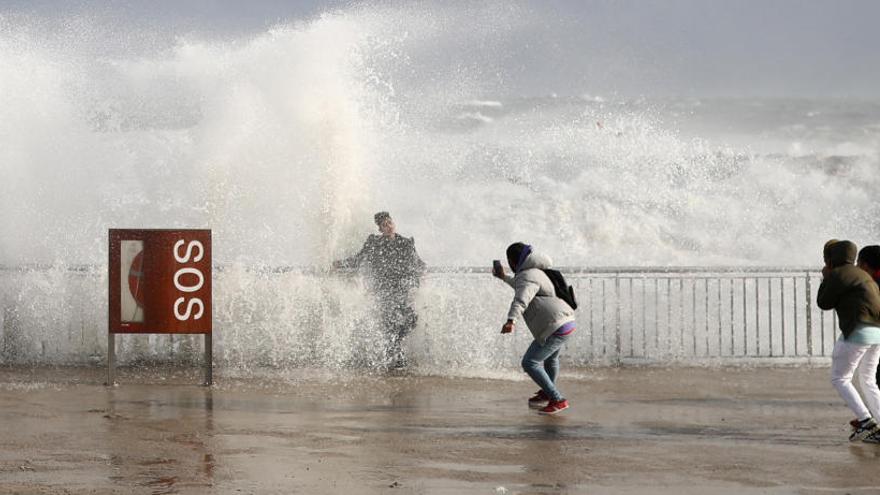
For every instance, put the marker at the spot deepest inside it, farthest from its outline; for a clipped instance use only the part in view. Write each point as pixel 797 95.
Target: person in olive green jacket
pixel 854 295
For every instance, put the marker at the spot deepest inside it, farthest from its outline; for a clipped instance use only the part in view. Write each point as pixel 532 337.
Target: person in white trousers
pixel 855 297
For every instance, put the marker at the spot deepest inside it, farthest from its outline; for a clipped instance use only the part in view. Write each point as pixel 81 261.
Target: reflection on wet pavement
pixel 428 435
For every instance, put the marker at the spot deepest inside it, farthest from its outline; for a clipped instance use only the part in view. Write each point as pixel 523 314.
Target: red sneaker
pixel 538 400
pixel 554 407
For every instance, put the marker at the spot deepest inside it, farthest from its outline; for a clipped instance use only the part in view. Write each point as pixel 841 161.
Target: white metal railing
pixel 652 314
pixel 707 313
pixel 625 315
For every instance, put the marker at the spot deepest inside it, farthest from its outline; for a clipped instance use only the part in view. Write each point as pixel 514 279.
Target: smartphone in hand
pixel 497 270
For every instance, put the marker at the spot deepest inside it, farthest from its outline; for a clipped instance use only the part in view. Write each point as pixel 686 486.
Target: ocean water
pixel 285 140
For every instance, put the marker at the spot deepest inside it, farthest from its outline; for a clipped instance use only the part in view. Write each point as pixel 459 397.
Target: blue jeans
pixel 541 362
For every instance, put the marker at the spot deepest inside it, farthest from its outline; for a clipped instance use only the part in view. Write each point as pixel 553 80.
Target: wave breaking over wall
pixel 285 141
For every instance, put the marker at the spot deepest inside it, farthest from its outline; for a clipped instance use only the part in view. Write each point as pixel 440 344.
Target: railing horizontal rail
pixel 311 269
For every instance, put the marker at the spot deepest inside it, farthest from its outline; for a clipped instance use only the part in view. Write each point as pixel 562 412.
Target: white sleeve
pixel 524 292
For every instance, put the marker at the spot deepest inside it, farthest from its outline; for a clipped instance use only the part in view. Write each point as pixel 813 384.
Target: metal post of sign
pixel 111 359
pixel 209 360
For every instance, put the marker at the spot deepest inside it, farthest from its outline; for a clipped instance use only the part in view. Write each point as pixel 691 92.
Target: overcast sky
pixel 654 47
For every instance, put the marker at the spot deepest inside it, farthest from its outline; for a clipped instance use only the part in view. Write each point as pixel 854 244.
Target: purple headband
pixel 527 250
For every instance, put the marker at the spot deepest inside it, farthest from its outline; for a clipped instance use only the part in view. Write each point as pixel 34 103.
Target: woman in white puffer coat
pixel 549 319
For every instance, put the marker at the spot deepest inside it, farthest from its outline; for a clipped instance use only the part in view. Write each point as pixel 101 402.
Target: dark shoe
pixel 872 438
pixel 865 428
pixel 538 400
pixel 554 407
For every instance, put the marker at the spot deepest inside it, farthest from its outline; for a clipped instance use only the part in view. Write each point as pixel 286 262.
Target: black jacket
pixel 390 262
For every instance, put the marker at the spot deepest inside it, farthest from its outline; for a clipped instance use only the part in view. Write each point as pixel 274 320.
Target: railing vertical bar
pixel 794 310
pixel 617 346
pixel 656 315
pixel 644 321
pixel 782 310
pixel 757 317
pixel 668 315
pixel 822 316
pixel 706 294
pixel 604 333
pixel 770 314
pixel 632 322
pixel 732 339
pixel 720 336
pixel 681 314
pixel 809 306
pixel 694 314
pixel 745 320
pixel 590 327
pixel 706 297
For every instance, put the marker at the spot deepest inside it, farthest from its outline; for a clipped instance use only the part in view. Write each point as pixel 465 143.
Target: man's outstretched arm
pixel 356 260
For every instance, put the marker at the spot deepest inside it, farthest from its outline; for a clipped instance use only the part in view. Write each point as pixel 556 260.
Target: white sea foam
pixel 285 142
pixel 476 116
pixel 485 103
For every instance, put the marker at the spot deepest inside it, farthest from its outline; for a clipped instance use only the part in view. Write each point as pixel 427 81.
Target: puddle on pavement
pixel 478 468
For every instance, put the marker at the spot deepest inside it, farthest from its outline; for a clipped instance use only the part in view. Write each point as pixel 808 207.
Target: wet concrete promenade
pixel 630 430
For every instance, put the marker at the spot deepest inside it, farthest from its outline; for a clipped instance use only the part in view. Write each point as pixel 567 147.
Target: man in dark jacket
pixel 394 270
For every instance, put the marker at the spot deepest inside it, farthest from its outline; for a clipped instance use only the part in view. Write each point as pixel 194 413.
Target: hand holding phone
pixel 497 269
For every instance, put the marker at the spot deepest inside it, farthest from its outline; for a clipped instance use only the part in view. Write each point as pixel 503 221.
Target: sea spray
pixel 284 142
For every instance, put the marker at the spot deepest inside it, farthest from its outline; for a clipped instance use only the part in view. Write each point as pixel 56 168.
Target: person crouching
pixel 854 295
pixel 549 319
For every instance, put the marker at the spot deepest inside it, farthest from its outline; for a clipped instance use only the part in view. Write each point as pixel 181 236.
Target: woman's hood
pixel 535 259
